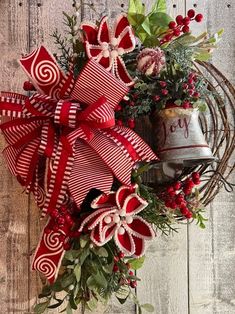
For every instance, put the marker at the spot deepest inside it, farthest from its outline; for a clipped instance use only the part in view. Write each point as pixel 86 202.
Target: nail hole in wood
pixel 20 4
pixel 174 6
pixel 229 5
pixel 39 5
pixel 195 5
pixel 74 4
pixel 122 5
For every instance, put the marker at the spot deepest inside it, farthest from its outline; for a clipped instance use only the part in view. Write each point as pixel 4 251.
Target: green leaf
pixel 136 6
pixel 123 293
pixel 92 304
pixel 67 281
pixel 71 255
pixel 159 6
pixel 41 307
pixel 148 307
pixel 69 309
pixel 137 263
pixel 83 241
pixel 72 303
pixel 46 292
pixel 108 268
pixel 77 272
pixel 102 252
pixel 160 19
pixel 85 253
pixel 100 279
pixel 91 283
pixel 57 286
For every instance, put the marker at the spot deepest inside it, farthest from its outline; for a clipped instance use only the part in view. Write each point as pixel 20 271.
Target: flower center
pixel 111 49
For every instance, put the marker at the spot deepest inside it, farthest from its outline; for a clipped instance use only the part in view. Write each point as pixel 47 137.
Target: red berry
pixel 156 98
pixel 190 81
pixel 118 108
pixel 63 210
pixel 131 273
pixel 176 32
pixel 179 199
pixel 171 193
pixel 196 95
pixel 191 13
pixel 186 21
pixel 163 83
pixel 187 105
pixel 170 189
pixel 172 25
pixel 196 175
pixel 199 18
pixel 164 92
pixel 173 205
pixel 133 284
pixel 177 185
pixel 115 268
pixel 121 255
pixel 119 122
pixel 187 191
pixel 179 19
pixel 168 203
pixel 184 210
pixel 185 29
pixel 185 86
pixel 54 213
pixel 189 183
pixel 168 37
pixel 128 281
pixel 196 181
pixel 190 92
pixel 28 86
pixel 189 215
pixel 131 123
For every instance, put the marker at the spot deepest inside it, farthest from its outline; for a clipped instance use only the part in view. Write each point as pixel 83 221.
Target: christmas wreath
pixel 104 190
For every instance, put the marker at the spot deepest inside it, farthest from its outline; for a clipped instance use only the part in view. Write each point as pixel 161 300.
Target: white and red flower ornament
pixel 107 45
pixel 116 218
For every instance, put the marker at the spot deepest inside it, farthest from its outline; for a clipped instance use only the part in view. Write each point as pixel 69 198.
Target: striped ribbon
pixel 60 148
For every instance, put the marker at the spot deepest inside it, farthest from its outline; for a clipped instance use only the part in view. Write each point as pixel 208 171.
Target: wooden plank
pixel 14 265
pixel 164 275
pixel 211 252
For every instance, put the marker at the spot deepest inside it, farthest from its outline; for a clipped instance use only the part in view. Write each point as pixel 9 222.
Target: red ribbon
pixel 59 148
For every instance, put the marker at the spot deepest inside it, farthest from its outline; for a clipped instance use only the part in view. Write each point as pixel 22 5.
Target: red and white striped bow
pixel 63 141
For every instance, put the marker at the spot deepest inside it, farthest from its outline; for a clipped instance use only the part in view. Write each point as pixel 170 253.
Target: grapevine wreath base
pixel 103 190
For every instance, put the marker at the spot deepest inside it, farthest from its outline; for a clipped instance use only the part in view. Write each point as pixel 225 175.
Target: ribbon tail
pixel 60 174
pixel 50 251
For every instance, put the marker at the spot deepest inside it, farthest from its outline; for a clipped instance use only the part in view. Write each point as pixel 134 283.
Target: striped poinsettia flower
pixel 115 217
pixel 107 45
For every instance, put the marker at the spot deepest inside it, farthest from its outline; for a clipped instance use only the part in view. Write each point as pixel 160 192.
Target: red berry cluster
pixel 124 281
pixel 189 86
pixel 175 196
pixel 164 91
pixel 120 107
pixel 60 218
pixel 180 25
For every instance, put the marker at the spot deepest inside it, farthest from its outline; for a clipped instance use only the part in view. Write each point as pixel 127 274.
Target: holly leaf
pixel 77 272
pixel 148 307
pixel 136 6
pixel 137 263
pixel 160 19
pixel 41 307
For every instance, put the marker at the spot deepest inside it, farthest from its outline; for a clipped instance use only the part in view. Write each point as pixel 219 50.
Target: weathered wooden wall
pixel 192 272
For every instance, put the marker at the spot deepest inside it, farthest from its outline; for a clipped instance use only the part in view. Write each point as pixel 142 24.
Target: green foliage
pixel 136 263
pixel 148 28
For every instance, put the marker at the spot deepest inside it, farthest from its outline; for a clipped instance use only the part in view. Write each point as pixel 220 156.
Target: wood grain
pixel 190 273
pixel 14 236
